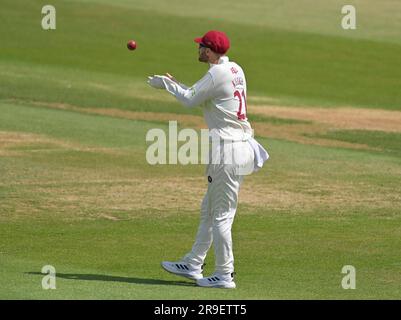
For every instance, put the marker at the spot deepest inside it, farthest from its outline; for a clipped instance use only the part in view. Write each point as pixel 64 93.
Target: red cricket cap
pixel 215 40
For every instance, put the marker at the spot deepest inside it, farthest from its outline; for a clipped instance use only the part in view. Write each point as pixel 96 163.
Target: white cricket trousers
pixel 218 210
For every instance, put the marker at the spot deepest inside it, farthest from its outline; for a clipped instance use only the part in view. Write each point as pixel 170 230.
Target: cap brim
pixel 198 40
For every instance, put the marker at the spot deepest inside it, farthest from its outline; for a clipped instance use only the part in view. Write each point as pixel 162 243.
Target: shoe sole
pixel 219 286
pixel 181 274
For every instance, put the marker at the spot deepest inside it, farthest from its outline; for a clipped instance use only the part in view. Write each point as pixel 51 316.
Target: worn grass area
pixel 303 125
pixel 389 142
pixel 88 191
pixel 77 193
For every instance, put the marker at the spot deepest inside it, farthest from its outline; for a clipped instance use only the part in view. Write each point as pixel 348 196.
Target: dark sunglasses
pixel 201 45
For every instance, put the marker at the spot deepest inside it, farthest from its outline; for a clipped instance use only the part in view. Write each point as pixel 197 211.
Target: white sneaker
pixel 225 281
pixel 183 269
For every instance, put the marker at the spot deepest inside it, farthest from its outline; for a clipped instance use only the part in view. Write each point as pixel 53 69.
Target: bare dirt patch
pixel 12 142
pixel 338 118
pixel 331 196
pixel 109 199
pixel 8 139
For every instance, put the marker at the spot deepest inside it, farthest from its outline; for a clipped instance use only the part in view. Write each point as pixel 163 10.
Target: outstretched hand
pixel 156 81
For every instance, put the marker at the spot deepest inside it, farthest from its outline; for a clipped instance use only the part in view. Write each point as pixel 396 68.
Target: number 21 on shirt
pixel 241 114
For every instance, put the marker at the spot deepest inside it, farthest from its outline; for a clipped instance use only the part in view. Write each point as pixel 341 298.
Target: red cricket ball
pixel 131 45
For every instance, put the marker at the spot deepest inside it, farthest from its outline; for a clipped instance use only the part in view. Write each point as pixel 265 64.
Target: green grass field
pixel 76 191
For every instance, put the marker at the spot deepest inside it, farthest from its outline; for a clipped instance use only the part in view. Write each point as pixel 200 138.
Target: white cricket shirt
pixel 222 95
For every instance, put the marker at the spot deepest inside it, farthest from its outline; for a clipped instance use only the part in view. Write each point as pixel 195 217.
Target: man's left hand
pixel 156 81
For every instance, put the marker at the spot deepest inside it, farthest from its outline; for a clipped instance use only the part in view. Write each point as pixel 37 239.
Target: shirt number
pixel 241 114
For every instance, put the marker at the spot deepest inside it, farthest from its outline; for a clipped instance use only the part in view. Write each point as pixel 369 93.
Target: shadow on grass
pixel 102 277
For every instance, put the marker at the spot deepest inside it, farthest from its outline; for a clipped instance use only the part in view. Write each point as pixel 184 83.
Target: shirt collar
pixel 223 59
